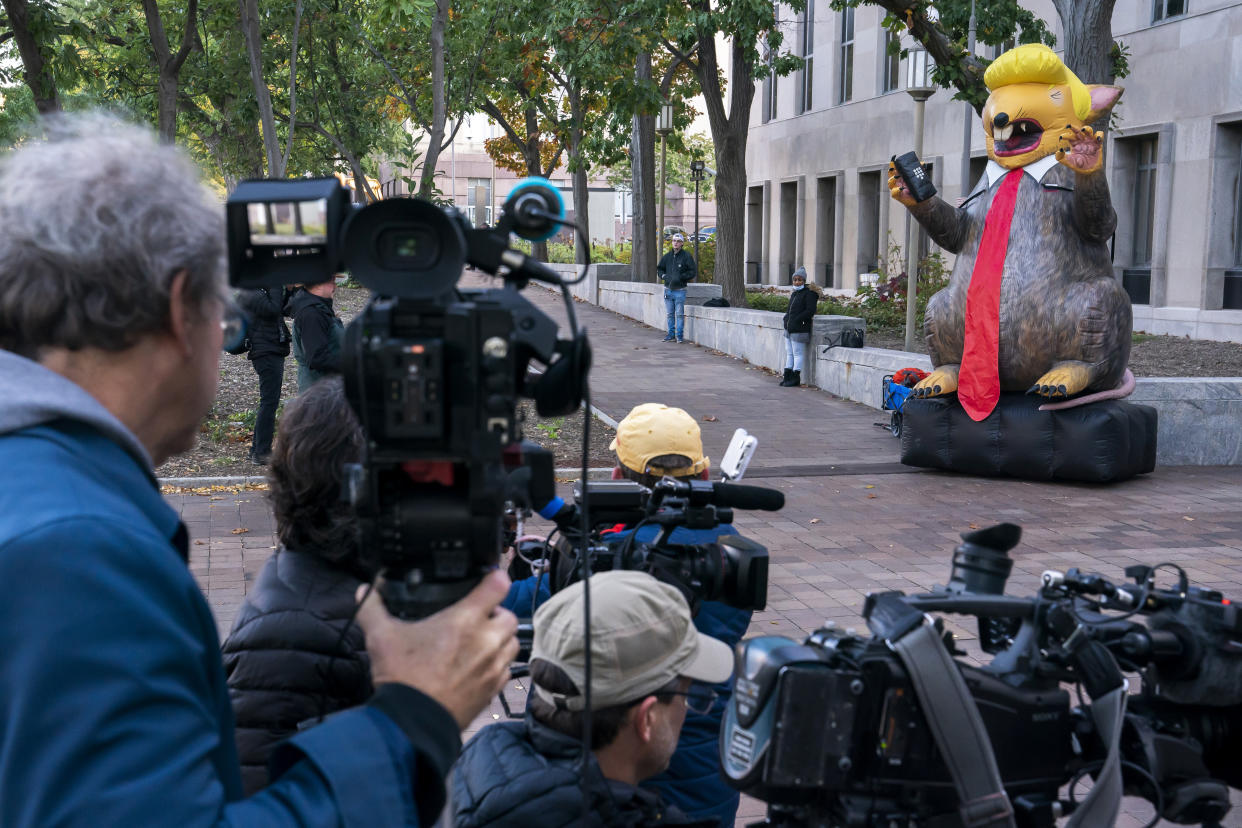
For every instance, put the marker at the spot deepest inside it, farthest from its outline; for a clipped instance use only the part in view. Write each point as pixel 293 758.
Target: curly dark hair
pixel 318 435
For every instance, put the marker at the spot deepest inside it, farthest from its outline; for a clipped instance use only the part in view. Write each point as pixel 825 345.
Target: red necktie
pixel 978 383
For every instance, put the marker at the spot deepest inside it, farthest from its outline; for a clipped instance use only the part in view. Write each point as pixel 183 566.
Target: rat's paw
pixel 1080 149
pixel 1064 380
pixel 897 187
pixel 938 383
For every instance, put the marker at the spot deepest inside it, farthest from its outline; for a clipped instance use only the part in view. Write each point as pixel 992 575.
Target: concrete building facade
pixel 821 140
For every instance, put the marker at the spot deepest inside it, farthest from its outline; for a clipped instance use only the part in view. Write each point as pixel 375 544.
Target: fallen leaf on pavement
pixel 815 520
pixel 709 419
pixel 871 496
pixel 868 487
pixel 1187 517
pixel 240 531
pixel 199 543
pixel 974 526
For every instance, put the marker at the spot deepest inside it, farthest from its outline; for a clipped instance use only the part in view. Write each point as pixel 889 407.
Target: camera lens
pixel 407 248
pixel 981 564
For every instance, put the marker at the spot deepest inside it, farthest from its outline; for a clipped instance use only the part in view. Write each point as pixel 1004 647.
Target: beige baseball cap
pixel 654 429
pixel 642 637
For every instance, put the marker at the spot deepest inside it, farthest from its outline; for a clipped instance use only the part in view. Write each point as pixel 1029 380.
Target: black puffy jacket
pixel 518 774
pixel 285 660
pixel 802 304
pixel 268 334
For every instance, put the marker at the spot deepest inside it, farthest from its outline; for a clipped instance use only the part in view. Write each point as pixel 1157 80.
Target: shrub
pixel 882 305
pixel 707 260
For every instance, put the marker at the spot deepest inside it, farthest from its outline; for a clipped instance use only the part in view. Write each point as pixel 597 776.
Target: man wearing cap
pixel 677 269
pixel 655 440
pixel 645 654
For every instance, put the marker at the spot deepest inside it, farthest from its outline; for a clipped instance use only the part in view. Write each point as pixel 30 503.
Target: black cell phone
pixel 915 176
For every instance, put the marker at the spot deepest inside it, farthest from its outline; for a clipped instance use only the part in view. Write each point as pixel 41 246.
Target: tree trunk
pixel 439 101
pixel 169 63
pixel 731 219
pixel 1088 38
pixel 263 95
pixel 167 97
pixel 38 72
pixel 582 194
pixel 646 248
pixel 729 134
pixel 293 88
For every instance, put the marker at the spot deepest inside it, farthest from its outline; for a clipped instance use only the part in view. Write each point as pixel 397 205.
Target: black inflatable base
pixel 1099 442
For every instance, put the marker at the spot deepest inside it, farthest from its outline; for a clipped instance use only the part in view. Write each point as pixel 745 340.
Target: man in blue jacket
pixel 113 704
pixel 652 441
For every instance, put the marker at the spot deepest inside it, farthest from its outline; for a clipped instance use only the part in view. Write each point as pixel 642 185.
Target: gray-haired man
pixel 113 704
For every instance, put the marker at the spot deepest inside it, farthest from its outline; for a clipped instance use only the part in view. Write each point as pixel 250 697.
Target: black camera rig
pixel 845 730
pixel 730 569
pixel 433 371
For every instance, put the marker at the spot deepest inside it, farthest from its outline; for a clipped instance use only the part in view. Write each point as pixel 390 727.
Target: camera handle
pixel 949 708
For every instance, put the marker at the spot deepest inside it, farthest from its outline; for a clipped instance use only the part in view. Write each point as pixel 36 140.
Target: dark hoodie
pixel 317 334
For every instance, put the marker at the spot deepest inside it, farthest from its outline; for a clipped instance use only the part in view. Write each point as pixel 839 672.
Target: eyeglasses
pixel 698 699
pixel 232 326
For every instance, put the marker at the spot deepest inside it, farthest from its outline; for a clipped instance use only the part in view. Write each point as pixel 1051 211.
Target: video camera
pixel 888 730
pixel 433 371
pixel 732 569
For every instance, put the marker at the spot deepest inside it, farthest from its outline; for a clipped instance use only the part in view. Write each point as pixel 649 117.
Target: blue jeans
pixel 794 352
pixel 675 306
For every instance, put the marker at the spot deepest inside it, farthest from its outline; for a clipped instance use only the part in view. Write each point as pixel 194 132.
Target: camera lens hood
pixel 404 247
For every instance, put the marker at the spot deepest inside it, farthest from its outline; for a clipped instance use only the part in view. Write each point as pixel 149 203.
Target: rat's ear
pixel 1102 100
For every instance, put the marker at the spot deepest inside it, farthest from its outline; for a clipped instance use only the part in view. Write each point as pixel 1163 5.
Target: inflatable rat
pixel 1032 304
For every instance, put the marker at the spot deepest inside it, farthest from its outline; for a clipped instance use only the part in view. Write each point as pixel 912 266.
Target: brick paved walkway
pixel 848 529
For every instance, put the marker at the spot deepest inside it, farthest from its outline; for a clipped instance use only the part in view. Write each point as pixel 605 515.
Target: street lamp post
pixel 919 87
pixel 696 172
pixel 970 110
pixel 664 125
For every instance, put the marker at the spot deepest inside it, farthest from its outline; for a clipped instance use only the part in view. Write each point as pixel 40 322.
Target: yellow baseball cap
pixel 653 430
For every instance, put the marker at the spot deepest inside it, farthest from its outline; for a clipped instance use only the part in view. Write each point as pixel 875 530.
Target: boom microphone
pixel 536 208
pixel 739 496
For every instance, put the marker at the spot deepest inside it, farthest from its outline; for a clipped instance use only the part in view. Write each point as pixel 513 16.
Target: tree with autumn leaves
pixel 310 85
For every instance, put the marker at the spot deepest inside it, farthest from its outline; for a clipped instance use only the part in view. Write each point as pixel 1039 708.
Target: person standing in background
pixel 678 269
pixel 317 333
pixel 798 318
pixel 269 345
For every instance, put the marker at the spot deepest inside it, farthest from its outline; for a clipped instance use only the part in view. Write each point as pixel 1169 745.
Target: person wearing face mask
pixel 798 318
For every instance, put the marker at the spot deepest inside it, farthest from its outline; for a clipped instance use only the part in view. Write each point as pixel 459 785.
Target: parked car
pixel 706 233
pixel 669 230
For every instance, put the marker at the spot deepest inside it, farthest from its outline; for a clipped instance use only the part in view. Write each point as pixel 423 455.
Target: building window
pixel 1144 204
pixel 808 58
pixel 892 62
pixel 845 90
pixel 769 89
pixel 871 190
pixel 1164 9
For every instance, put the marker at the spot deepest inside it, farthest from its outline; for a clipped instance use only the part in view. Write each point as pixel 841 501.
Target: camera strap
pixel 950 711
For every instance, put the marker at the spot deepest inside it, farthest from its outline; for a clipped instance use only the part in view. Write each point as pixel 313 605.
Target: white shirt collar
pixel 1036 169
